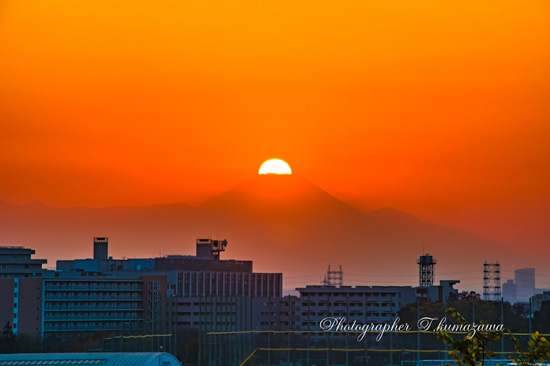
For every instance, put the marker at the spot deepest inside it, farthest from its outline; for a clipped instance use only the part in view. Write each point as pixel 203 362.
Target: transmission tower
pixel 491 281
pixel 334 277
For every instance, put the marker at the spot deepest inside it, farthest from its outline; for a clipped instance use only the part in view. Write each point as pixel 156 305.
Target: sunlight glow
pixel 275 166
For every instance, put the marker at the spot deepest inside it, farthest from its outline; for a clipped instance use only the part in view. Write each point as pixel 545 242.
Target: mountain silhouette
pixel 282 222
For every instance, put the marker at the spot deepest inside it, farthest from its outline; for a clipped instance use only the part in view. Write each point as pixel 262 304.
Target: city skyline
pixel 287 214
pixel 463 281
pixel 274 182
pixel 410 126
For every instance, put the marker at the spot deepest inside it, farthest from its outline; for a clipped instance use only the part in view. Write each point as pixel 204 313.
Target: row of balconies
pixel 100 290
pixel 72 327
pixel 93 289
pixel 319 315
pixel 207 316
pixel 217 324
pixel 347 315
pixel 336 313
pixel 218 301
pixel 345 305
pixel 193 293
pixel 219 309
pixel 359 295
pixel 90 317
pixel 118 307
pixel 94 286
pixel 92 297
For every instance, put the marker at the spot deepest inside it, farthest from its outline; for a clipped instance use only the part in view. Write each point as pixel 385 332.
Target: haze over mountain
pixel 283 223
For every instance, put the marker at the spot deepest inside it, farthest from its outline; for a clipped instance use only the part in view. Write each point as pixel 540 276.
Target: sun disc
pixel 275 166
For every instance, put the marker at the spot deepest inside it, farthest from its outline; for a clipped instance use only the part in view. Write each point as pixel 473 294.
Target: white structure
pixel 104 359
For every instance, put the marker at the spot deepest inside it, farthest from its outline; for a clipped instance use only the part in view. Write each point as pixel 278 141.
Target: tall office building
pixel 525 283
pixel 509 292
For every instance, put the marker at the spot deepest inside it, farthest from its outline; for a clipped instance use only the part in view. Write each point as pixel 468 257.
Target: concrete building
pixel 439 292
pixel 20 304
pixel 228 284
pixel 207 292
pixel 215 301
pixel 17 262
pixel 79 305
pixel 144 295
pixel 104 264
pixel 204 292
pixel 64 307
pixel 365 304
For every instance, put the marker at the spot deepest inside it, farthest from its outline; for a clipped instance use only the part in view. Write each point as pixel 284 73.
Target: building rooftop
pixel 76 359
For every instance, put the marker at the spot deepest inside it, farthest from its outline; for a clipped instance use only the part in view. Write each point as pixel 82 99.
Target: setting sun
pixel 275 166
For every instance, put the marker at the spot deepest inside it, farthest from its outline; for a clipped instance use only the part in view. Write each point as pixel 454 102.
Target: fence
pixel 325 348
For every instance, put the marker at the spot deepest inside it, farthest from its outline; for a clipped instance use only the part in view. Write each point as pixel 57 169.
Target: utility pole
pixel 502 322
pixel 445 315
pixel 418 330
pixel 530 316
pixel 269 333
pixel 391 333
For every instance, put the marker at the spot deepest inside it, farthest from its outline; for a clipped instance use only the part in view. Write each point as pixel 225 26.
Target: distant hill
pixel 284 223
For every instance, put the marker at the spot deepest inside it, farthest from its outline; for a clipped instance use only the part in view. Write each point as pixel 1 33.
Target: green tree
pixel 26 343
pixel 538 350
pixel 542 317
pixel 465 295
pixel 7 339
pixel 473 309
pixel 474 350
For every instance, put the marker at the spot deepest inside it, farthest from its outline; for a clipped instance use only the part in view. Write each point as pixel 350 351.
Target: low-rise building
pixel 17 262
pixel 538 299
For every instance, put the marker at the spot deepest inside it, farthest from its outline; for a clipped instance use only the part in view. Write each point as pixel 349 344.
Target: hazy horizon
pixel 279 212
pixel 436 110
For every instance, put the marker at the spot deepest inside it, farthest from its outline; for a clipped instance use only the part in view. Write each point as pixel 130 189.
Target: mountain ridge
pixel 284 225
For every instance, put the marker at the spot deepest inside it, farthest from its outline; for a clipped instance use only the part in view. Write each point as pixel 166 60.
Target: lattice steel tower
pixel 334 277
pixel 426 272
pixel 491 281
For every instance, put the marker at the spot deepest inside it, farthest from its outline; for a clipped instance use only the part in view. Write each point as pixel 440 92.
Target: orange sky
pixel 437 108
